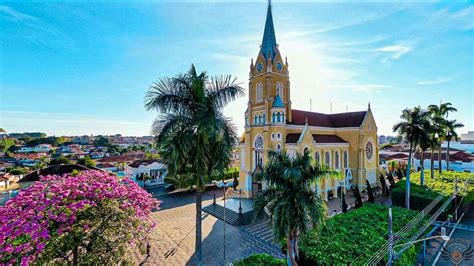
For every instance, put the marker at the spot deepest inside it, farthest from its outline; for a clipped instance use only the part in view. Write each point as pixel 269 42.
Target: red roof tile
pixel 351 119
pixel 319 138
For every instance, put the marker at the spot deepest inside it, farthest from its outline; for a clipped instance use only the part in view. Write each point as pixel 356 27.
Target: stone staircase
pixel 231 217
pixel 260 229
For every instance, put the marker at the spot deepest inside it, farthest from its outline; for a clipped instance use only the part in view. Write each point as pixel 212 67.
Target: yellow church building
pixel 346 142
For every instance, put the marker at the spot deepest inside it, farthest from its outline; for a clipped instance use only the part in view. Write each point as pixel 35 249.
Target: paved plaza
pixel 172 242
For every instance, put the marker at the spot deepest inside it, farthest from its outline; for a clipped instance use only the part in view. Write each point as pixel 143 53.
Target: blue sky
pixel 83 68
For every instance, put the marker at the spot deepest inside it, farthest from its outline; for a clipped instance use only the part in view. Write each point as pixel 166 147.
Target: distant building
pixel 468 137
pixel 156 169
pixel 37 148
pixel 3 133
pixel 459 160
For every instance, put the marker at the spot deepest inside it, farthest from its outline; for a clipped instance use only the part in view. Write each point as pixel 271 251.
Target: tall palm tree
pixel 290 199
pixel 439 114
pixel 192 134
pixel 426 141
pixel 411 129
pixel 451 126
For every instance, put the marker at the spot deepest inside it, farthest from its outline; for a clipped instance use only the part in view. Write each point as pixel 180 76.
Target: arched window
pixel 255 119
pixel 279 88
pixel 327 160
pixel 278 147
pixel 264 119
pixel 273 117
pixel 346 160
pixel 278 135
pixel 336 160
pixel 318 158
pixel 278 117
pixel 259 92
pixel 273 135
pixel 305 150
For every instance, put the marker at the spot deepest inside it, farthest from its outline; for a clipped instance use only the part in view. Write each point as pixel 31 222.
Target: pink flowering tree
pixel 91 217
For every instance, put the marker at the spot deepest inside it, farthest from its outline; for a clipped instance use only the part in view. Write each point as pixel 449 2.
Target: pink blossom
pixel 53 204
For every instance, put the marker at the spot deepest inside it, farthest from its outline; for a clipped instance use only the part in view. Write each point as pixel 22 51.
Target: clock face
pixel 279 66
pixel 369 150
pixel 259 67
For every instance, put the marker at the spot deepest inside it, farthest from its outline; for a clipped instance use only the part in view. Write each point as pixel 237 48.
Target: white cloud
pixel 15 15
pixel 434 81
pixel 396 51
pixel 364 87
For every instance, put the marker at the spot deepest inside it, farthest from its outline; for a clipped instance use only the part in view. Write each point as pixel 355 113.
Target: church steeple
pixel 269 45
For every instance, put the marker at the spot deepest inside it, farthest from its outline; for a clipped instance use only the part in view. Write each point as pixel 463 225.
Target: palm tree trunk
pixel 432 162
pixel 440 161
pixel 290 250
pixel 422 174
pixel 407 189
pixel 447 157
pixel 198 244
pixel 290 257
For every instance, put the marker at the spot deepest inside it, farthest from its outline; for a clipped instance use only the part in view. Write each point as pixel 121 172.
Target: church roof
pixel 278 103
pixel 350 119
pixel 318 138
pixel 269 44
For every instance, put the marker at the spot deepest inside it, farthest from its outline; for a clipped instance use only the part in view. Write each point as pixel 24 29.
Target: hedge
pixel 260 260
pixel 353 237
pixel 420 197
pixel 442 184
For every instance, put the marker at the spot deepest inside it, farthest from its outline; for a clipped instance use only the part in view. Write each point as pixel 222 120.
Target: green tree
pixel 6 143
pixel 290 198
pixel 439 114
pixel 59 160
pixel 86 161
pixel 412 128
pixel 451 126
pixel 101 141
pixel 193 136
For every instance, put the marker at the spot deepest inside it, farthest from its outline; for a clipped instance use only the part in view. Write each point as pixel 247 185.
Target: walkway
pixel 173 239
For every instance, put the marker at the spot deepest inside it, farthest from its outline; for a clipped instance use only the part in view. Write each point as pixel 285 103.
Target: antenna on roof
pixel 310 104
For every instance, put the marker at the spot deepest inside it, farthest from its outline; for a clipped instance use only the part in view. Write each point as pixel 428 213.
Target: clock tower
pixel 269 82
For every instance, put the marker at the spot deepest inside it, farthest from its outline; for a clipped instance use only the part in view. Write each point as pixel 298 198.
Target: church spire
pixel 268 47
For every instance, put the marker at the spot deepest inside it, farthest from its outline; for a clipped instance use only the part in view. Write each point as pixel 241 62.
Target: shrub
pixel 420 197
pixel 260 260
pixel 353 236
pixel 90 218
pixel 442 184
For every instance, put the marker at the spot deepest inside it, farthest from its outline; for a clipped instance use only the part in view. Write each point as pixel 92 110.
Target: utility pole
pixel 456 199
pixel 390 238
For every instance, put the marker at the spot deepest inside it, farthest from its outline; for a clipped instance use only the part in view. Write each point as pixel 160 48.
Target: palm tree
pixel 290 199
pixel 439 114
pixel 412 128
pixel 192 134
pixel 451 126
pixel 426 141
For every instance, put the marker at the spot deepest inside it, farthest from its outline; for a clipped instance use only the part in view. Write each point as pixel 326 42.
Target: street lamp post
pixel 223 185
pixel 342 184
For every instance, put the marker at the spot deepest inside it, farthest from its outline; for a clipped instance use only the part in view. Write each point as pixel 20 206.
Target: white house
pixel 156 169
pixel 37 148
